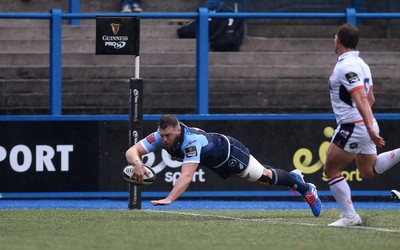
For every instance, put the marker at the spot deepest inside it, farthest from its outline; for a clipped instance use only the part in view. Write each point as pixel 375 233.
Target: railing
pixel 56 16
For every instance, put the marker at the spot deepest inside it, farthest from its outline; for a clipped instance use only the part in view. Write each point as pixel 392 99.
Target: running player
pixel 357 134
pixel 222 154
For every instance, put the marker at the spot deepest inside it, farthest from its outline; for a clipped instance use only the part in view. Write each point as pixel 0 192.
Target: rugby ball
pixel 147 180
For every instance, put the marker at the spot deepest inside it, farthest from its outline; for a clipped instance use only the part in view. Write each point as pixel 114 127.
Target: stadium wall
pixel 88 156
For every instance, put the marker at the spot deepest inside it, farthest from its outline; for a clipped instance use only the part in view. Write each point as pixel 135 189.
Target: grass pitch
pixel 194 229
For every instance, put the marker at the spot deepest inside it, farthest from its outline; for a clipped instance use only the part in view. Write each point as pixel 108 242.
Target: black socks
pixel 283 178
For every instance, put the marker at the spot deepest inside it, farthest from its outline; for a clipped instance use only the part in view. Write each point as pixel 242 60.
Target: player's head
pixel 348 36
pixel 170 130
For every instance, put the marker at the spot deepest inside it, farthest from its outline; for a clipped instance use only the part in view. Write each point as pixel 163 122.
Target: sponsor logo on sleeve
pixel 150 138
pixel 352 77
pixel 190 151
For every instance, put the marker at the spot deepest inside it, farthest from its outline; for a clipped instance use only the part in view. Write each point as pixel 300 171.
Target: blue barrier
pixel 56 16
pixel 55 62
pixel 187 194
pixel 189 117
pixel 74 7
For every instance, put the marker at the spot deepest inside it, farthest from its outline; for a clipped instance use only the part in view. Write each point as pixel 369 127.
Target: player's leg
pixel 386 161
pixel 346 143
pixel 311 195
pixel 255 172
pixel 244 165
pixel 365 165
pixel 368 163
pixel 336 161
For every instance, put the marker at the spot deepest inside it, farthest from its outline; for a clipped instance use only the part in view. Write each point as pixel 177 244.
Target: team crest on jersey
pixel 353 145
pixel 150 138
pixel 191 151
pixel 352 77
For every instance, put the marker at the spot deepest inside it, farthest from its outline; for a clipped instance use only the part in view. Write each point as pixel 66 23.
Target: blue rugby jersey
pixel 195 146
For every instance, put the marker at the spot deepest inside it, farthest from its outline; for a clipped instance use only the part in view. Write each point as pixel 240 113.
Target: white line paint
pixel 273 220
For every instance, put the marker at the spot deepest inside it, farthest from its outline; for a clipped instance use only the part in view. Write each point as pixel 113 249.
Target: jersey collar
pixel 354 53
pixel 182 135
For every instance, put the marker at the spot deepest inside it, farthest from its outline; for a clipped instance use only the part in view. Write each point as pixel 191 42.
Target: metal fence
pixel 56 17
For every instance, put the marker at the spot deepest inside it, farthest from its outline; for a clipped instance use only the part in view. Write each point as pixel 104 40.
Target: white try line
pixel 273 220
pixel 214 216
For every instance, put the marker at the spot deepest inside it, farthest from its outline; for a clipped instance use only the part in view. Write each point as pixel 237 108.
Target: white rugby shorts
pixel 354 138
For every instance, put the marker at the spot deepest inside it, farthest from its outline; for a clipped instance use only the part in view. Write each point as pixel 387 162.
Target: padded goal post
pixel 135 132
pixel 121 36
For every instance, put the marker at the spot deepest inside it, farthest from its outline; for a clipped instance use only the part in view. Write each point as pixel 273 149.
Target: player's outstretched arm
pixel 161 202
pixel 188 170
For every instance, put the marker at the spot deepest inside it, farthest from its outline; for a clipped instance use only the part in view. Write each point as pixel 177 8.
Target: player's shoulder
pixel 152 141
pixel 193 136
pixel 153 137
pixel 363 63
pixel 349 65
pixel 190 138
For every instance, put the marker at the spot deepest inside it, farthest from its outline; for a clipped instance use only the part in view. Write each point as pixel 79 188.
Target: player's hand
pixel 377 139
pixel 139 172
pixel 161 202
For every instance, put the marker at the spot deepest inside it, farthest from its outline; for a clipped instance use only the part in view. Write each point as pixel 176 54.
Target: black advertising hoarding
pixel 282 144
pixel 49 156
pixel 65 156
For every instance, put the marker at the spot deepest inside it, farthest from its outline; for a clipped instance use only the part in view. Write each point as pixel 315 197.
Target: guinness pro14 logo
pixel 117 36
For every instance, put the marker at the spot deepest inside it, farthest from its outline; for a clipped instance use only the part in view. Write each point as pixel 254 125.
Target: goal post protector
pixel 121 36
pixel 135 132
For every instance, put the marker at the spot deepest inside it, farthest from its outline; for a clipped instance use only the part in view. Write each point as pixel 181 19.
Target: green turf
pixel 194 229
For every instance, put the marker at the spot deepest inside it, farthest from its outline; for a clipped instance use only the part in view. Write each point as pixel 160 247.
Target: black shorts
pixel 237 162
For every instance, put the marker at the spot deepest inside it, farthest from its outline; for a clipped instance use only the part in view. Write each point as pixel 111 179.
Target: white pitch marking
pixel 275 220
pixel 214 216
